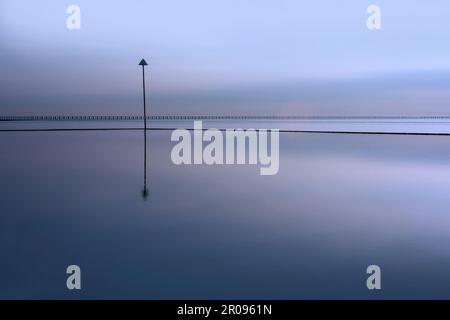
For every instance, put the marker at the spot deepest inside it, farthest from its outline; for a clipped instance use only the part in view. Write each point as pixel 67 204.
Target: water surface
pixel 339 203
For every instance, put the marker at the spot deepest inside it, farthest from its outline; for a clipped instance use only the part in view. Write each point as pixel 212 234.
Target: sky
pixel 254 57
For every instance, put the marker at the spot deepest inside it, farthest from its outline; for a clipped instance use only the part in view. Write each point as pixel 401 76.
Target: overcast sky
pixel 225 56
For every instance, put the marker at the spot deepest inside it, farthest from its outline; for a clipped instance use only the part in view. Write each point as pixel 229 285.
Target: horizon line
pixel 212 117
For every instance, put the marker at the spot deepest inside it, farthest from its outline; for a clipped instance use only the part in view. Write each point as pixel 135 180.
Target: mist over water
pixel 363 176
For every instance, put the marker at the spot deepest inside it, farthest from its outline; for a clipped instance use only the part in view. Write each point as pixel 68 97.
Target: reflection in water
pixel 338 204
pixel 145 190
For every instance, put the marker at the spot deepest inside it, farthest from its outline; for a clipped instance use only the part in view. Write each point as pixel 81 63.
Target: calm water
pixel 411 125
pixel 338 204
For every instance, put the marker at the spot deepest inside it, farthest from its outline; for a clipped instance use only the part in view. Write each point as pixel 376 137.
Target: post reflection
pixel 144 191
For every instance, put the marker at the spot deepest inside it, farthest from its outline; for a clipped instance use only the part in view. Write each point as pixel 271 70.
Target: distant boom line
pixel 210 117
